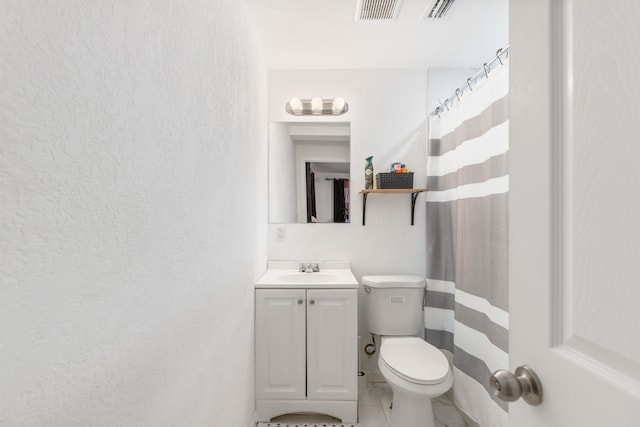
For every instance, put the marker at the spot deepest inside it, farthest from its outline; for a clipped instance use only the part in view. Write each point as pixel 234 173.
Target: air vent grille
pixel 377 9
pixel 438 9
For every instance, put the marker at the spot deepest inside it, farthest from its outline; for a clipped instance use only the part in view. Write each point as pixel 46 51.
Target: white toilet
pixel 415 370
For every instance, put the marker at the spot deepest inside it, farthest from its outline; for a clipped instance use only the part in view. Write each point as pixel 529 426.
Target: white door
pixel 575 209
pixel 332 361
pixel 280 344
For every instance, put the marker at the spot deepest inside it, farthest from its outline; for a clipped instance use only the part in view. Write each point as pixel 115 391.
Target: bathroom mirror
pixel 309 170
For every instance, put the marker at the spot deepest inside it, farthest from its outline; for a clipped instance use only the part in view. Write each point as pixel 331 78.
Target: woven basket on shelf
pixel 386 180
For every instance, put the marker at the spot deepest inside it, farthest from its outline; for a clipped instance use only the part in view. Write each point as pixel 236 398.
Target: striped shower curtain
pixel 466 311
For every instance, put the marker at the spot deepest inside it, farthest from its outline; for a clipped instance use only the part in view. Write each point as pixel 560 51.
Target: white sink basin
pixel 285 274
pixel 309 278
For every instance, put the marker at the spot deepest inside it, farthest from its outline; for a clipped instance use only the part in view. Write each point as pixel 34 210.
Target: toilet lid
pixel 414 360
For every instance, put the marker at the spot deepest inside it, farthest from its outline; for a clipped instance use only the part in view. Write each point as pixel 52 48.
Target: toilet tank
pixel 393 304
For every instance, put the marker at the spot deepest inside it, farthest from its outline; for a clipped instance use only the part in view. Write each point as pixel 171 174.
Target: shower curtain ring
pixel 486 73
pixel 446 103
pixel 458 92
pixel 498 53
pixel 469 84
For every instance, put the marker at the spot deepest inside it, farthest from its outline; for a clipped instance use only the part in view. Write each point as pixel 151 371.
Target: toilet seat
pixel 414 360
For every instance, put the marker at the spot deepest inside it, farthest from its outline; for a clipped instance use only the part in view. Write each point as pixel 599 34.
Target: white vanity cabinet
pixel 306 351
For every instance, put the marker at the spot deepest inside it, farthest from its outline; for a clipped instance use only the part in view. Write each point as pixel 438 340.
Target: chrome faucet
pixel 307 267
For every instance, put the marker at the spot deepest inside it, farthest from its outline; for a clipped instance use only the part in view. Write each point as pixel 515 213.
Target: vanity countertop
pixel 286 274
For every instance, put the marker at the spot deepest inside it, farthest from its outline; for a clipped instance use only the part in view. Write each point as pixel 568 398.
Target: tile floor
pixel 373 410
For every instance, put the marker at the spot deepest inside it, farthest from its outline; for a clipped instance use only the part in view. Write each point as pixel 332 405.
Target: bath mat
pixel 309 425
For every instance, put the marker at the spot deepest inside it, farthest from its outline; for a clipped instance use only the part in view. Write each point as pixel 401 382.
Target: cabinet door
pixel 280 343
pixel 332 362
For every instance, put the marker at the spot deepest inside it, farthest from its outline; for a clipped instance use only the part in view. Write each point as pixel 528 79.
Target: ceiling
pixel 323 34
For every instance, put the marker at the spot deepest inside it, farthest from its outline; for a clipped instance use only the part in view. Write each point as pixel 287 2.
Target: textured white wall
pixel 387 115
pixel 132 210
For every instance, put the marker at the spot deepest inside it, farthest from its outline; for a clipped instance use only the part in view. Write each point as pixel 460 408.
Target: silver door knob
pixel 510 387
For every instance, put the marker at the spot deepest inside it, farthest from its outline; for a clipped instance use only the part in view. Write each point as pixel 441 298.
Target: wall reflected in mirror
pixel 309 172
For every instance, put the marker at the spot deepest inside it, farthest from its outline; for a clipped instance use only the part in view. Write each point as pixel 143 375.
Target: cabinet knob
pixel 300 301
pixel 312 302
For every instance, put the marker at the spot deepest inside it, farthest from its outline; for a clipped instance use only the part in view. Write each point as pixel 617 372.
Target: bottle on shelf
pixel 368 173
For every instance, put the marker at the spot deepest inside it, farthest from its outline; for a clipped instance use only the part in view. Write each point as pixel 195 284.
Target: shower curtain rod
pixel 484 72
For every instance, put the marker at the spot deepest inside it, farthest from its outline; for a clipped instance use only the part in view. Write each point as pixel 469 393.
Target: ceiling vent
pixel 367 10
pixel 438 9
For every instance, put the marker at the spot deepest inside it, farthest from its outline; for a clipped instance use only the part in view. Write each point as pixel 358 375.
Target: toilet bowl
pixel 417 372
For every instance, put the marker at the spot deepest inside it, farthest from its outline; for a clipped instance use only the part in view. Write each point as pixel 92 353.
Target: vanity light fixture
pixel 317 106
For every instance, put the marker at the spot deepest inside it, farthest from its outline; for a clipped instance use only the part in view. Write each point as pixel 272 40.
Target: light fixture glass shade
pixel 296 105
pixel 338 105
pixel 316 105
